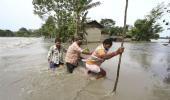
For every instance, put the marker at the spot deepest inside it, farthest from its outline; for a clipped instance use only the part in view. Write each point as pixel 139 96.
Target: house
pixel 95 33
pixel 104 35
pixel 94 30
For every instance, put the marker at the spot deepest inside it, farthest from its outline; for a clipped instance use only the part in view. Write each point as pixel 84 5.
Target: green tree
pixel 69 15
pixel 34 33
pixel 109 25
pixel 49 29
pixel 58 9
pixel 22 32
pixel 80 11
pixel 9 33
pixel 147 28
pixel 6 33
pixel 116 30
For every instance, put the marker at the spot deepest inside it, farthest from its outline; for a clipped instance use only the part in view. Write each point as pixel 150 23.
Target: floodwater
pixel 24 74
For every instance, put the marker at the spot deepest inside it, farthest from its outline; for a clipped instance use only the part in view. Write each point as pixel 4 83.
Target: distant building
pixel 104 35
pixel 94 30
pixel 95 33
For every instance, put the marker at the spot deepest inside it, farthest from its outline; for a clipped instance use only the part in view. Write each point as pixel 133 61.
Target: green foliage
pixel 166 16
pixel 80 10
pixel 107 23
pixel 60 11
pixel 109 27
pixel 116 30
pixel 22 32
pixel 156 36
pixel 69 15
pixel 147 28
pixel 48 29
pixel 35 33
pixel 6 33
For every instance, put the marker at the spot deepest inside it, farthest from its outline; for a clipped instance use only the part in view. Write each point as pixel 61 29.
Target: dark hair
pixel 108 41
pixel 57 40
pixel 77 38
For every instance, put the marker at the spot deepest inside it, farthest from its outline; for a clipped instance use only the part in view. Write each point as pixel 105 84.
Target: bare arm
pixel 112 54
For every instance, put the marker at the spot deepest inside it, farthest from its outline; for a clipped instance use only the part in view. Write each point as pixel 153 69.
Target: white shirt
pixel 56 55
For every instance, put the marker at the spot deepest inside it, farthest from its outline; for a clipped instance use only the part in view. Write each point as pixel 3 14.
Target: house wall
pixel 103 37
pixel 94 34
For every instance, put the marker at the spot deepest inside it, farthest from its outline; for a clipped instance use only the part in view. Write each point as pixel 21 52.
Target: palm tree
pixel 80 9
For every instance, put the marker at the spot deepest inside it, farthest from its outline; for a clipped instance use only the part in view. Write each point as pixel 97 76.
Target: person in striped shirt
pixel 101 54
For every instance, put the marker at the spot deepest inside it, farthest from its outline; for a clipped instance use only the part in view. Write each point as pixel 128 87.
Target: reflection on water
pixel 24 74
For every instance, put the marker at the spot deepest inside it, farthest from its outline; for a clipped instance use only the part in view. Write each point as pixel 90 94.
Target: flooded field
pixel 24 74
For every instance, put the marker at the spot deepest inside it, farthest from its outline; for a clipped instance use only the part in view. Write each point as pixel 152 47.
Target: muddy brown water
pixel 24 74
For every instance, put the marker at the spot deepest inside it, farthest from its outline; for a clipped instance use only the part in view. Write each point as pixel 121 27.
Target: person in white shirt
pixel 55 54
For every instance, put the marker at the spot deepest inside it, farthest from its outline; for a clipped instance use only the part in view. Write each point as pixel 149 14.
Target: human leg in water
pixel 70 67
pixel 101 74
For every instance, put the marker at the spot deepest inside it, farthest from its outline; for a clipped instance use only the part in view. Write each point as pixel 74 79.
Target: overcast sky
pixel 19 13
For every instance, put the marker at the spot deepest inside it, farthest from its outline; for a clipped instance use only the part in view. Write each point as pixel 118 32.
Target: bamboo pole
pixel 124 32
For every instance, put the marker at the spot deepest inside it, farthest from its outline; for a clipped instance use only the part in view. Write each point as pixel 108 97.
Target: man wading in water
pixel 101 54
pixel 55 54
pixel 73 54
